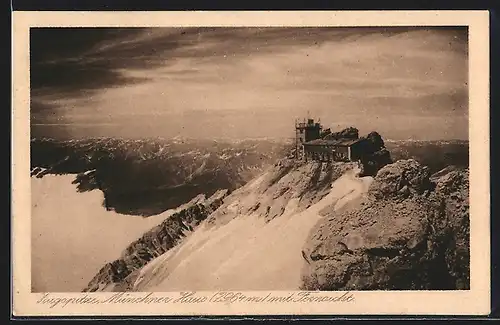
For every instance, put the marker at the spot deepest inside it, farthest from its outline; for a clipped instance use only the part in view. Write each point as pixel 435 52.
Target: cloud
pixel 128 76
pixel 78 59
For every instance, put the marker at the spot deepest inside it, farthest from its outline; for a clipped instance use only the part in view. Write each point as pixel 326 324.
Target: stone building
pixel 333 150
pixel 313 144
pixel 305 132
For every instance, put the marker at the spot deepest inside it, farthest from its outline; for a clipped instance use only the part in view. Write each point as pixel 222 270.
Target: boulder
pixel 392 178
pixel 383 246
pixel 406 234
pixel 375 155
pixel 452 195
pixel 375 140
pixel 372 163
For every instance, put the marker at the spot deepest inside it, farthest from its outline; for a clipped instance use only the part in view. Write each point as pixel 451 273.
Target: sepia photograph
pixel 249 158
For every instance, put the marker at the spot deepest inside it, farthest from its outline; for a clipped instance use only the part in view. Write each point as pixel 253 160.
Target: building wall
pixel 305 134
pixel 341 154
pixel 326 153
pixel 299 139
pixel 300 135
pixel 312 133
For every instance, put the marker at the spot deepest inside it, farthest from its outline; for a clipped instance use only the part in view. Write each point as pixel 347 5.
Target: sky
pixel 405 83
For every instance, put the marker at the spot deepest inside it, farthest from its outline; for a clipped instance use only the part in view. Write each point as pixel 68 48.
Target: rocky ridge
pixel 117 274
pixel 288 185
pixel 411 231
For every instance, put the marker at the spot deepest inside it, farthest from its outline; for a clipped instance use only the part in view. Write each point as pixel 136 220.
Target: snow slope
pixel 247 253
pixel 73 235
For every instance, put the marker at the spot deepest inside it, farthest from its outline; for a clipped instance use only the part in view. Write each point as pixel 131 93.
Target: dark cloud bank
pixel 72 63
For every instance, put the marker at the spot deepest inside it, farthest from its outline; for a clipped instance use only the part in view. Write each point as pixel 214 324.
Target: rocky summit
pixel 288 182
pixel 411 231
pixel 327 225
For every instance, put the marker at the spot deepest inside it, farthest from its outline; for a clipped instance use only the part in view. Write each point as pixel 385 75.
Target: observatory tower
pixel 305 132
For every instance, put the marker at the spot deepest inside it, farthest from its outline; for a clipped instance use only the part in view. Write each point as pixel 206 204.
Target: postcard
pixel 250 163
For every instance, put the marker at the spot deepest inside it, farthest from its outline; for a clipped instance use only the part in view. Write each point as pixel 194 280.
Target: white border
pixel 473 302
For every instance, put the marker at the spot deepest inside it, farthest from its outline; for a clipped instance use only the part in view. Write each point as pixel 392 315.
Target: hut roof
pixel 333 143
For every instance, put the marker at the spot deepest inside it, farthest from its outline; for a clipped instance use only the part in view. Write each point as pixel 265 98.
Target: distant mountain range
pixel 436 154
pixel 146 177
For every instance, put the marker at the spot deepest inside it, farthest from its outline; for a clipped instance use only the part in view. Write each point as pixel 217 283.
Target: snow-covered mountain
pixel 146 177
pixel 313 226
pixel 238 215
pixel 436 154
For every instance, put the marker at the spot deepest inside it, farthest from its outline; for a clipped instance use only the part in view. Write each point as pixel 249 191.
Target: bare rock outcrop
pixel 347 133
pixel 401 179
pixel 289 183
pixel 452 194
pixel 408 233
pixel 375 155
